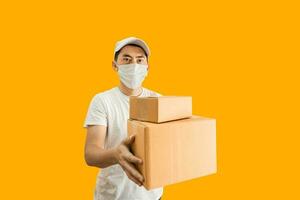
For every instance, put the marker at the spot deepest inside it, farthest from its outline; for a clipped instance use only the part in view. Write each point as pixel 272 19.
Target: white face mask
pixel 132 75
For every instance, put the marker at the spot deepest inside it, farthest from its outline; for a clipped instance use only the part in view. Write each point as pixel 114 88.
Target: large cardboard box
pixel 160 109
pixel 174 151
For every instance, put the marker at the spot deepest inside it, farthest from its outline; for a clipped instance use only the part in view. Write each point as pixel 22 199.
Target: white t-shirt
pixel 111 108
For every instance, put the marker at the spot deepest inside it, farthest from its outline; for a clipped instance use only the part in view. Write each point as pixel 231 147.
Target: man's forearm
pixel 99 157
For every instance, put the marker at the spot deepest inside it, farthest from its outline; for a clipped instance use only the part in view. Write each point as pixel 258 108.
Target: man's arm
pixel 96 155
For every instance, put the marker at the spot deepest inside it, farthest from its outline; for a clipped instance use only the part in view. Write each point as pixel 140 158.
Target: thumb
pixel 129 140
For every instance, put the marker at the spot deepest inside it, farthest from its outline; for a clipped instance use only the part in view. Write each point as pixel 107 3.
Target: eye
pixel 140 60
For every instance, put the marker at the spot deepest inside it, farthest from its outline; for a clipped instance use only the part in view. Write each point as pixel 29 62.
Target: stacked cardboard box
pixel 174 145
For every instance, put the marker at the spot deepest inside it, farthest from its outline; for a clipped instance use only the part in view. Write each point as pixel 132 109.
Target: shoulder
pixel 104 96
pixel 148 92
pixel 106 93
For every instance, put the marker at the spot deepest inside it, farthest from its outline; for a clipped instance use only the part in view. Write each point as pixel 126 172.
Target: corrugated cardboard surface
pixel 160 109
pixel 174 151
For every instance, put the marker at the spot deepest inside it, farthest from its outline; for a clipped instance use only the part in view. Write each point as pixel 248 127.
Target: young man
pixel 107 144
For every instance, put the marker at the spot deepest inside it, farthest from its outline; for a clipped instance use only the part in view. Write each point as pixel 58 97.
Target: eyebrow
pixel 127 55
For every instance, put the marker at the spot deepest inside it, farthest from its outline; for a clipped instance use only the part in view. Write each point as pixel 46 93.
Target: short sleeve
pixel 158 94
pixel 155 94
pixel 96 114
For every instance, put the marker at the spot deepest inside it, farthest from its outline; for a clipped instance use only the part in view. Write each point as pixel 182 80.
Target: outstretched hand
pixel 127 160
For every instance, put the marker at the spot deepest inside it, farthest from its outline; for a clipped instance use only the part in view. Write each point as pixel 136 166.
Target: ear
pixel 114 66
pixel 148 67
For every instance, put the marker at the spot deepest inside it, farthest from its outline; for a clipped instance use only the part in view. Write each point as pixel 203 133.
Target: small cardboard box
pixel 174 151
pixel 160 109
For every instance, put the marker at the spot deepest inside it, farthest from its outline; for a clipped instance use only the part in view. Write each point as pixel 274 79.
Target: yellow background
pixel 239 60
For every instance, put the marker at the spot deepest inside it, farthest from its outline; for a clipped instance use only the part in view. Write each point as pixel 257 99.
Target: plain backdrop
pixel 239 60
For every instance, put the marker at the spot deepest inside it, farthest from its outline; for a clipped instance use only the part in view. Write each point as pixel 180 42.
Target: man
pixel 107 144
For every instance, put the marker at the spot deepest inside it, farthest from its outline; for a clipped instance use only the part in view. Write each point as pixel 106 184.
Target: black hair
pixel 118 52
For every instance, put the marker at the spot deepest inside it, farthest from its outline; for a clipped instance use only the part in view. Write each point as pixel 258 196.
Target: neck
pixel 130 92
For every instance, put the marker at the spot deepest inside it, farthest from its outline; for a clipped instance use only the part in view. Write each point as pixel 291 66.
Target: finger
pixel 131 177
pixel 133 159
pixel 129 140
pixel 133 171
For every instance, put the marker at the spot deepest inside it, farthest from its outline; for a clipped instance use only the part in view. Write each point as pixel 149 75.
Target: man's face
pixel 132 54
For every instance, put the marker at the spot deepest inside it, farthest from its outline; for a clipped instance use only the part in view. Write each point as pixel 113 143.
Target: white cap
pixel 132 40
